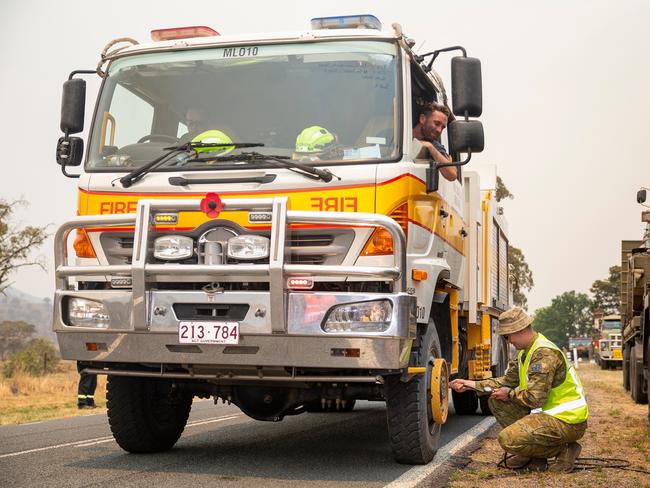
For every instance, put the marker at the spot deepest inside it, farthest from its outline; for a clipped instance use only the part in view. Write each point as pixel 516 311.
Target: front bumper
pixel 302 344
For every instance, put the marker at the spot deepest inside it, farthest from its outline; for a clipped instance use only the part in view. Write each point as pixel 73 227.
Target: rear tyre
pixel 636 379
pixel 498 370
pixel 485 406
pixel 414 435
pixel 626 368
pixel 465 403
pixel 146 415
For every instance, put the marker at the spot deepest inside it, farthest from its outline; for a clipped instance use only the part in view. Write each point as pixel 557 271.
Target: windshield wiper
pixel 137 174
pixel 281 161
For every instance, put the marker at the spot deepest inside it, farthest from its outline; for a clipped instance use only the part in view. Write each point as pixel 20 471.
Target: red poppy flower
pixel 211 205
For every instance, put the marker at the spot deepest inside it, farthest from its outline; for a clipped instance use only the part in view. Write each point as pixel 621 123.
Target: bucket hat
pixel 513 320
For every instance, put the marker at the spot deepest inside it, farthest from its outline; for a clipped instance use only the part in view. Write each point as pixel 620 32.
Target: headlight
pixel 360 317
pixel 172 248
pixel 248 247
pixel 87 313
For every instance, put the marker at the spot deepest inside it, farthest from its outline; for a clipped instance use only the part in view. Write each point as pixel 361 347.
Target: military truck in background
pixel 607 345
pixel 635 310
pixel 285 278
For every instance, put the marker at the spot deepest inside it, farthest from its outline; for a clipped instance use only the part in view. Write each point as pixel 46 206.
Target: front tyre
pixel 414 433
pixel 146 415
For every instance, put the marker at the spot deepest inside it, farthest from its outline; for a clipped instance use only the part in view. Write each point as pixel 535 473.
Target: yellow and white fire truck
pixel 257 224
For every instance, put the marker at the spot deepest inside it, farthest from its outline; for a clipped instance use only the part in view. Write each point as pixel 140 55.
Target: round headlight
pixel 171 248
pixel 248 247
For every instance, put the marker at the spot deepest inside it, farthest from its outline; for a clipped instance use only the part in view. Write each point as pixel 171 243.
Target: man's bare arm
pixel 451 173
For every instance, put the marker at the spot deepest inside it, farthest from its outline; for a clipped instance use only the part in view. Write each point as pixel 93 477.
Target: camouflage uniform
pixel 537 435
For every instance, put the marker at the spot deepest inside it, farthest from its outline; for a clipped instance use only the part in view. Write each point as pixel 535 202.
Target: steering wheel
pixel 157 137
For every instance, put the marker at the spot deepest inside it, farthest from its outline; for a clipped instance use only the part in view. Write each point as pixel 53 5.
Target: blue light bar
pixel 346 22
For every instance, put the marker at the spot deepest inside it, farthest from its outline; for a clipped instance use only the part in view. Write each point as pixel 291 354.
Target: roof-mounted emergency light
pixel 346 22
pixel 182 33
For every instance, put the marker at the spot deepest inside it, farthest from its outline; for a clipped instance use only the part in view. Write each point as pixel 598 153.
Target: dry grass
pixel 25 398
pixel 617 428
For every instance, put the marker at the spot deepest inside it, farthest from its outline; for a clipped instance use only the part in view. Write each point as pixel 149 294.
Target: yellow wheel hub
pixel 439 391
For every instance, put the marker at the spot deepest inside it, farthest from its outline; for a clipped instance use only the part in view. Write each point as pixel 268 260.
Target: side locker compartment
pixel 473 282
pixel 478 335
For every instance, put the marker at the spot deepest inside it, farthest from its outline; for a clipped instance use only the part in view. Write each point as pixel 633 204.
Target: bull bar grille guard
pixel 276 270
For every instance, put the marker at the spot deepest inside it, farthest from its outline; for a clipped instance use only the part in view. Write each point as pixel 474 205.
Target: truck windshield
pixel 612 324
pixel 318 103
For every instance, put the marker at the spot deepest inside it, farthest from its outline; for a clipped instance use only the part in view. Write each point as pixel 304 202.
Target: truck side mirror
pixel 69 151
pixel 466 136
pixel 73 104
pixel 466 86
pixel 641 196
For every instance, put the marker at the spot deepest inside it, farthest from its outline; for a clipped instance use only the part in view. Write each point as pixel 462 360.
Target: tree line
pixel 19 350
pixel 572 313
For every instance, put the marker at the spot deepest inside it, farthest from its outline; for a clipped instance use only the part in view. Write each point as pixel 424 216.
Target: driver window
pixel 423 93
pixel 132 116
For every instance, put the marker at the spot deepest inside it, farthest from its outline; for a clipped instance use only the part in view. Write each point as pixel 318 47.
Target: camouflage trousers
pixel 532 435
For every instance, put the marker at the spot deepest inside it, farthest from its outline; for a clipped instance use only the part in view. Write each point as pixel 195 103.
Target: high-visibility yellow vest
pixel 566 401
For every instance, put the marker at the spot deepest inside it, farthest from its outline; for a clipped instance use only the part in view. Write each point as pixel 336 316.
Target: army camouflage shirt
pixel 547 369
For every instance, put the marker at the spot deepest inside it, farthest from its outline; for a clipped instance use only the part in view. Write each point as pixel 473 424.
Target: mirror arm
pixel 433 171
pixel 420 58
pixel 459 163
pixel 82 72
pixel 69 175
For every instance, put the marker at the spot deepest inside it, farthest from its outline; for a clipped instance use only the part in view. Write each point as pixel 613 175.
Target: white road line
pixel 11 454
pixel 414 476
pixel 216 419
pixel 101 440
pixel 86 444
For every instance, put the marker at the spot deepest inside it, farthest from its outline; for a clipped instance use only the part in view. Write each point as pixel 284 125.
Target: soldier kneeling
pixel 539 402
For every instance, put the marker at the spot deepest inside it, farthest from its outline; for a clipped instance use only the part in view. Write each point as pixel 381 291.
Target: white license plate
pixel 208 333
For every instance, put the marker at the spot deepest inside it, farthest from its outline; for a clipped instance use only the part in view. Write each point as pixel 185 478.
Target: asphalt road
pixel 220 447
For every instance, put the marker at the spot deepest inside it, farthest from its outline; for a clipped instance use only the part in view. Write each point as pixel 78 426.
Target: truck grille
pixel 615 340
pixel 305 246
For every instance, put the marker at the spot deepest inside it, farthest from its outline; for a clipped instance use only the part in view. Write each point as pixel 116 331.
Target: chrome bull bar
pixel 277 271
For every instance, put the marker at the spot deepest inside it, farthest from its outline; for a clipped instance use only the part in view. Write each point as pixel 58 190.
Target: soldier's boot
pixel 566 459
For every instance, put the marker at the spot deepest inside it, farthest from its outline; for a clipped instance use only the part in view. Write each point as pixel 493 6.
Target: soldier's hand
pixel 462 385
pixel 501 393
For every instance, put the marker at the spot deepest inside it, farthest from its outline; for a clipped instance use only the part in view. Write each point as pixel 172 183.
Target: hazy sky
pixel 566 107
